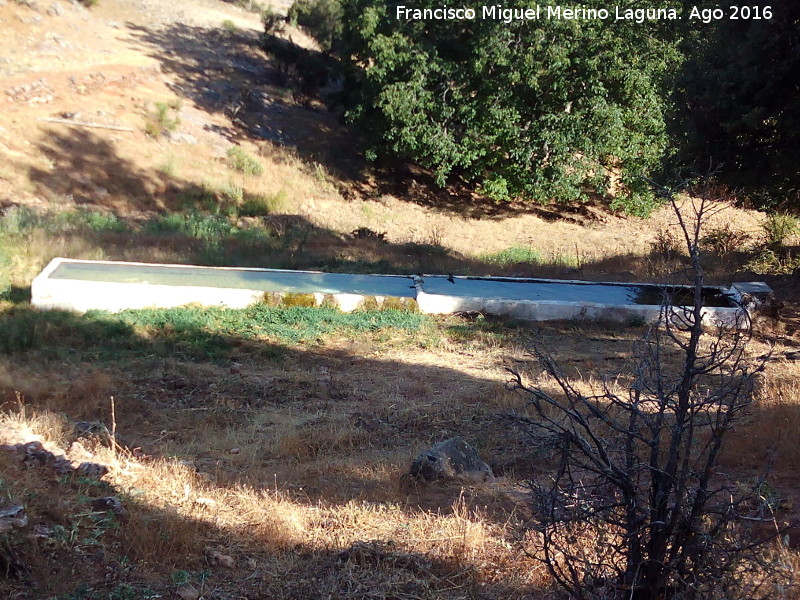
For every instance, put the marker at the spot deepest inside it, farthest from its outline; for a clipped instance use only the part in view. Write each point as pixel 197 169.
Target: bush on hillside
pixel 321 19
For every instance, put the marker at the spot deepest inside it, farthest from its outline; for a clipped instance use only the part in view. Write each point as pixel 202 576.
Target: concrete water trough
pixel 83 285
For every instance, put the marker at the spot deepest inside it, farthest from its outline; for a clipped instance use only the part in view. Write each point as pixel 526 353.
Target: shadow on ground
pixel 80 549
pixel 184 387
pixel 229 73
pixel 181 389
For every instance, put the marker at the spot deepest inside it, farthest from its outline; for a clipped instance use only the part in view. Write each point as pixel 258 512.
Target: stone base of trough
pixel 549 310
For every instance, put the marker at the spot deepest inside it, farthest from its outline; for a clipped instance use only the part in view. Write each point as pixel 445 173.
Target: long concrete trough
pixel 82 285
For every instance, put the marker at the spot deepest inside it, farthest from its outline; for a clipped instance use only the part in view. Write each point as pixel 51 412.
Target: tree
pixel 637 508
pixel 740 102
pixel 547 109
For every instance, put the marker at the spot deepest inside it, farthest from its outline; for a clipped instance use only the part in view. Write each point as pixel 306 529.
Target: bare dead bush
pixel 637 508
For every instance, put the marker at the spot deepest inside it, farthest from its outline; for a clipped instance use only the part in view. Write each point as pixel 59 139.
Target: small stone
pixel 77 451
pixel 91 470
pixel 109 504
pixel 205 502
pixel 235 450
pixel 221 559
pixel 55 10
pixel 12 517
pixel 187 592
pixel 183 138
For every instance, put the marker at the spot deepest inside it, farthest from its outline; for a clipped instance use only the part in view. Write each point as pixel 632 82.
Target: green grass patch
pixel 193 225
pixel 239 160
pixel 512 256
pixel 230 26
pixel 282 324
pixel 163 119
pixel 261 205
pixel 779 227
pixel 190 332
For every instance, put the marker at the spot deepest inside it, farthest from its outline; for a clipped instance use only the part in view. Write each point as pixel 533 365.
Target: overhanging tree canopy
pixel 549 109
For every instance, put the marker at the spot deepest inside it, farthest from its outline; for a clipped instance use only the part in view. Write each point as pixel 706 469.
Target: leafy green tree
pixel 740 98
pixel 549 109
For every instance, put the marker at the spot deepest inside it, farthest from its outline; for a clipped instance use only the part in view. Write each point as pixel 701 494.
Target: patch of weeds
pixel 261 205
pixel 122 591
pixel 476 327
pixel 230 27
pixel 295 299
pixel 326 181
pixel 230 193
pixel 665 245
pixel 180 578
pixel 98 222
pixel 19 220
pixel 251 6
pixel 163 119
pixel 724 240
pixel 239 160
pixel 769 262
pixel 170 166
pixel 512 256
pixel 193 332
pixel 779 227
pixel 212 198
pixel 193 225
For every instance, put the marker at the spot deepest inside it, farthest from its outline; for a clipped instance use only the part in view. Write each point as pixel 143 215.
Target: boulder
pixel 453 459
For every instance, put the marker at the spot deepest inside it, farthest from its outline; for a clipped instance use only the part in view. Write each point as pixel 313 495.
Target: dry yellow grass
pixel 307 482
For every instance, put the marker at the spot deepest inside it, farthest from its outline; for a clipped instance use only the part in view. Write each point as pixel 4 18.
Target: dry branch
pixel 84 124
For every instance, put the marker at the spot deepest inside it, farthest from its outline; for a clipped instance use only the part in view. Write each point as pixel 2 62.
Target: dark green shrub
pixel 321 19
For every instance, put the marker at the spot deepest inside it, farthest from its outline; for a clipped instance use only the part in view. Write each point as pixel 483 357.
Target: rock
pixel 90 430
pixel 183 138
pixel 12 517
pixel 187 592
pixel 34 20
pixel 91 470
pixel 78 451
pixel 221 559
pixel 109 504
pixel 55 10
pixel 449 460
pixel 235 450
